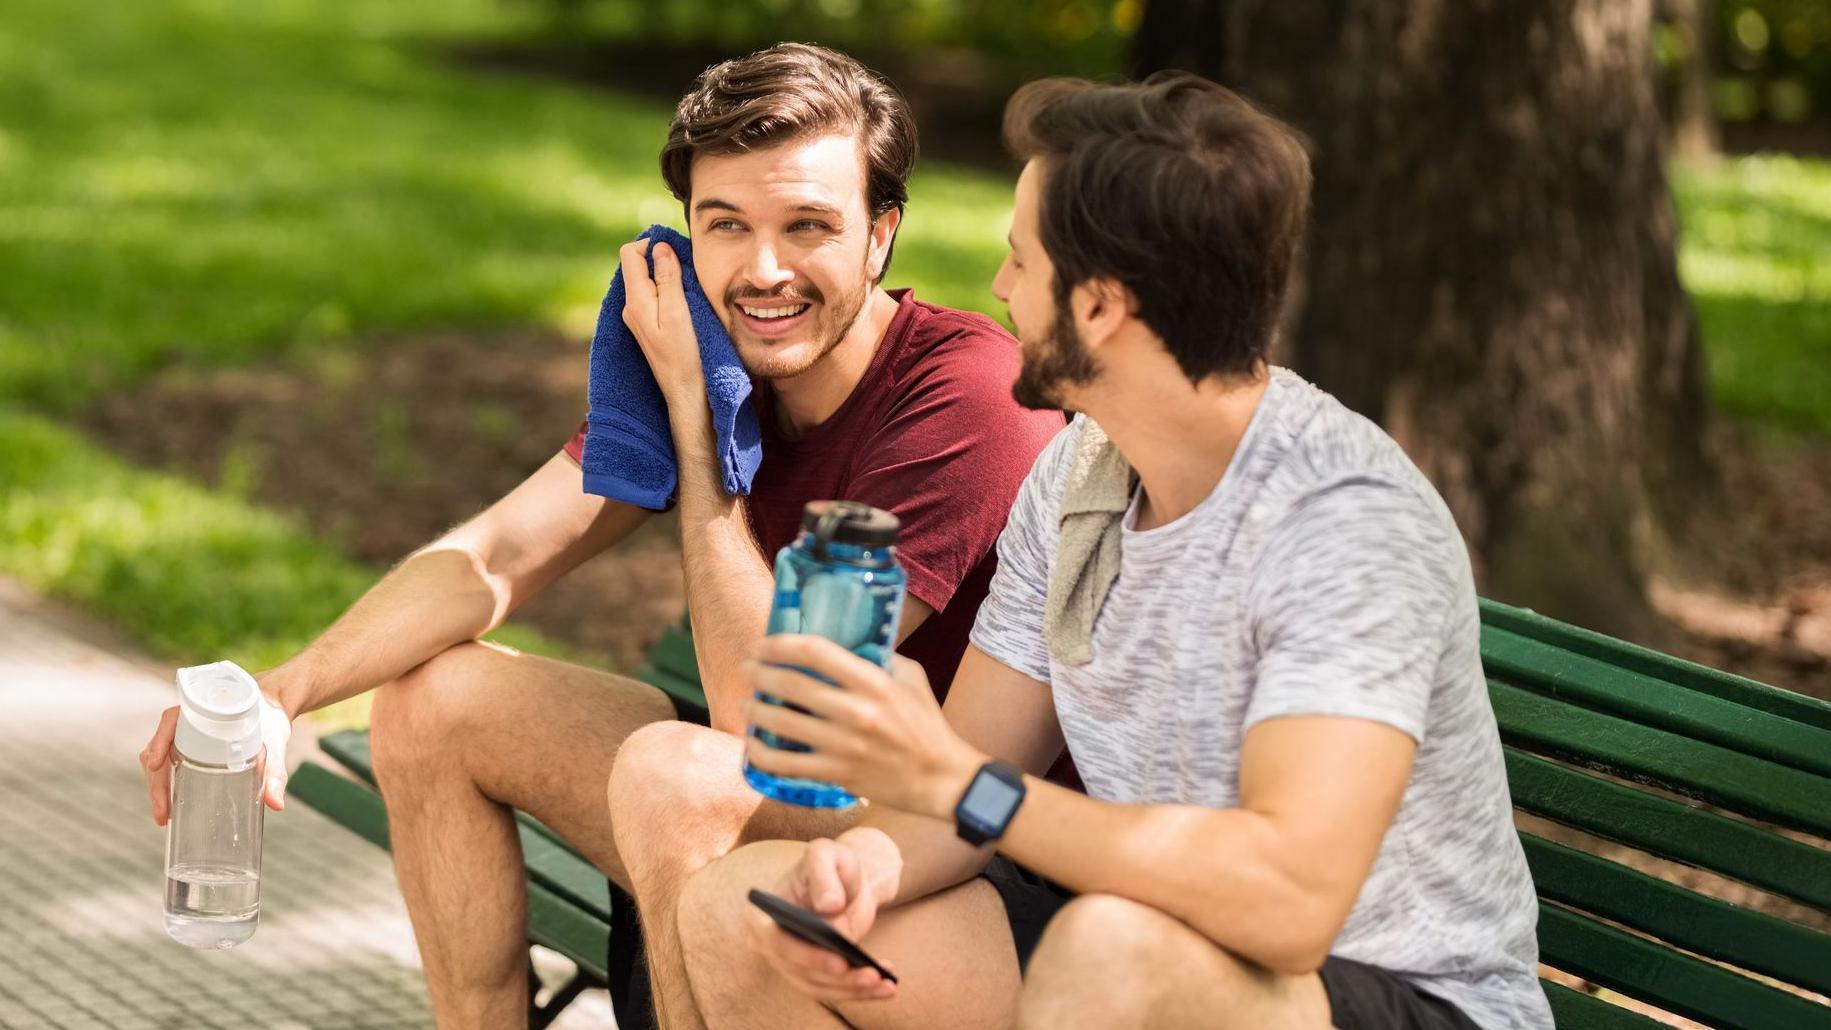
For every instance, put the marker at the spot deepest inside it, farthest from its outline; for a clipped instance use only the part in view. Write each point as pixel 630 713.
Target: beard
pixel 786 359
pixel 1059 359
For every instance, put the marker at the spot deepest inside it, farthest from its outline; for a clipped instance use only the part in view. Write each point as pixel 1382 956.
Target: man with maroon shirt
pixel 792 164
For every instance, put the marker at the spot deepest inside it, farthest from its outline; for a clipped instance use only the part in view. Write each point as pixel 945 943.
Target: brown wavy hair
pixel 790 92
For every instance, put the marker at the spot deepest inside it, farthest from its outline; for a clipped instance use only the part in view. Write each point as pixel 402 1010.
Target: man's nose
pixel 764 271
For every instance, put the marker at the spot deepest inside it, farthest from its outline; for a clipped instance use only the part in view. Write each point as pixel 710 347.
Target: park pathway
pixel 82 941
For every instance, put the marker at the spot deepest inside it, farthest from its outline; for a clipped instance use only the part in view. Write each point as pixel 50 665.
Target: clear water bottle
pixel 213 842
pixel 839 580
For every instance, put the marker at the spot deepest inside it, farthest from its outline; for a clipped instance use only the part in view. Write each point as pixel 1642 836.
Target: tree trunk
pixel 1491 272
pixel 1188 35
pixel 1691 123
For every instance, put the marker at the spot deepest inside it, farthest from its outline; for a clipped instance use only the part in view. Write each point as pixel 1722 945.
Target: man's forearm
pixel 437 598
pixel 933 856
pixel 729 582
pixel 1225 872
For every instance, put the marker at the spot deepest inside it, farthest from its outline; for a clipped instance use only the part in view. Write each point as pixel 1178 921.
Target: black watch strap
pixel 990 803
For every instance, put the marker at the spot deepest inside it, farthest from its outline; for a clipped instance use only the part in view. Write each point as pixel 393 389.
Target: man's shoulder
pixel 955 343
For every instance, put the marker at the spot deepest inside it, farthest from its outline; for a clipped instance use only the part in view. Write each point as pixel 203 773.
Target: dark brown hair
pixel 1181 191
pixel 789 92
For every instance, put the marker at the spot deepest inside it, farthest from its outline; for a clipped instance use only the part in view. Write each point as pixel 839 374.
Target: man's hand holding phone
pixel 843 881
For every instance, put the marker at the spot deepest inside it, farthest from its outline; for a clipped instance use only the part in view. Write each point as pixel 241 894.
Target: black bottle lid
pixel 850 523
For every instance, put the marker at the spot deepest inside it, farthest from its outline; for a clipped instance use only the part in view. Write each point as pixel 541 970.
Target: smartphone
pixel 816 931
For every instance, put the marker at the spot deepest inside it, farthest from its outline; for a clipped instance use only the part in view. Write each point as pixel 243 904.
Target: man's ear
pixel 1101 307
pixel 883 234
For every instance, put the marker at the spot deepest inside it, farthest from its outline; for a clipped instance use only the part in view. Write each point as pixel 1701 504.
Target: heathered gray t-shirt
pixel 1323 576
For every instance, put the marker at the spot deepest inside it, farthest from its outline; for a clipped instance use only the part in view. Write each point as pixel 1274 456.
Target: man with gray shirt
pixel 1247 613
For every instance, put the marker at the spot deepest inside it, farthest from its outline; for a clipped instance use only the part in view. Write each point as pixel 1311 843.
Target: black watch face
pixel 989 801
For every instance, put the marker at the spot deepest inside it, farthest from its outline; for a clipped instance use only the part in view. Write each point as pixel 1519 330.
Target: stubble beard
pixel 831 325
pixel 1061 360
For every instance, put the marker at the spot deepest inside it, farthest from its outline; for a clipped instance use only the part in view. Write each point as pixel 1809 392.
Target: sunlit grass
pixel 214 182
pixel 194 574
pixel 1756 258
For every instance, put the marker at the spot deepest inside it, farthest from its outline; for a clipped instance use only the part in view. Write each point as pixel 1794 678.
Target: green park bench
pixel 1664 756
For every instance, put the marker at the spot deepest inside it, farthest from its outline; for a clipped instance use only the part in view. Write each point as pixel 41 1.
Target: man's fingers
pixel 826 891
pixel 276 733
pixel 670 289
pixel 815 732
pixel 155 761
pixel 822 656
pixel 638 288
pixel 797 687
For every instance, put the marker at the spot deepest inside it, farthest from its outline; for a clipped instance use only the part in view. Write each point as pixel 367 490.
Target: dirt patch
pixel 384 449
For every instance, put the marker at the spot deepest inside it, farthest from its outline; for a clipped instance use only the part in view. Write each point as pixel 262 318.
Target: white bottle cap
pixel 219 718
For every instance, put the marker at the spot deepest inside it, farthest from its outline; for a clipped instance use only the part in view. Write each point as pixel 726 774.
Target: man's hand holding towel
pixel 661 355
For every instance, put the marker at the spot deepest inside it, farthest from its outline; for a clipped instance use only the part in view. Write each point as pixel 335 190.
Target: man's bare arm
pixel 1000 712
pixel 1272 880
pixel 456 588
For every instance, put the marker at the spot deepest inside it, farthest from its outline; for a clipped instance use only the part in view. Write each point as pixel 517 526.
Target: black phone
pixel 816 931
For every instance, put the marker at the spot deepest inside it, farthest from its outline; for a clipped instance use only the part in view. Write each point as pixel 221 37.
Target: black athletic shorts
pixel 1361 997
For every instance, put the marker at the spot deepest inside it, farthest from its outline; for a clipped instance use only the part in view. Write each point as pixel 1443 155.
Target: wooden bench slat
pixel 1729 779
pixel 346 802
pixel 1690 675
pixel 560 869
pixel 1592 683
pixel 1741 937
pixel 1673 981
pixel 554 922
pixel 351 750
pixel 1574 1010
pixel 1670 829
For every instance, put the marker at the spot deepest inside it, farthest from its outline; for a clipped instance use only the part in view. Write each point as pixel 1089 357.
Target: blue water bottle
pixel 839 580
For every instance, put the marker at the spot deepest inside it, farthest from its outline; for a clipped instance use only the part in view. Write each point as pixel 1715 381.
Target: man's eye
pixel 808 224
pixel 726 225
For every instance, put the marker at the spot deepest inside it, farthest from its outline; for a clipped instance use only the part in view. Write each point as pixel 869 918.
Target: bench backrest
pixel 1675 760
pixel 1668 758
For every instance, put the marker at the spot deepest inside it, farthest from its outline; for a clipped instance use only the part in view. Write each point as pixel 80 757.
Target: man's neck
pixel 1179 445
pixel 812 397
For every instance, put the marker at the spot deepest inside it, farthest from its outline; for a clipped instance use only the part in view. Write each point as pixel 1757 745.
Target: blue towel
pixel 629 449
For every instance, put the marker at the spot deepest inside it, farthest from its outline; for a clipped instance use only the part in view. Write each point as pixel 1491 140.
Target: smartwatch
pixel 989 803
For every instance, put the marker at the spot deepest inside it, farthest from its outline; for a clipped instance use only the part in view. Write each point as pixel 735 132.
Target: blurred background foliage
pixel 188 186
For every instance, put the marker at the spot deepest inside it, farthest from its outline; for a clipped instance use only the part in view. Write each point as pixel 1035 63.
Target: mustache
pixel 810 295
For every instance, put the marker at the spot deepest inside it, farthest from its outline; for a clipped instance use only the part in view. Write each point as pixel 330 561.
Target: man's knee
pixel 715 902
pixel 420 714
pixel 677 797
pixel 1109 945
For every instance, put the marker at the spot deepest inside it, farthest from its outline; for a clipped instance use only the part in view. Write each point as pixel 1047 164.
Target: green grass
pixel 193 574
pixel 214 182
pixel 208 183
pixel 1756 257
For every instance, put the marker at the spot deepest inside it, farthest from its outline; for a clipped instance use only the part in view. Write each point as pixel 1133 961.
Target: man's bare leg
pixel 458 743
pixel 1108 962
pixel 952 953
pixel 678 802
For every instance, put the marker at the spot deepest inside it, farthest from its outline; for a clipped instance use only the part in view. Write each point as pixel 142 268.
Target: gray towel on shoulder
pixel 1087 560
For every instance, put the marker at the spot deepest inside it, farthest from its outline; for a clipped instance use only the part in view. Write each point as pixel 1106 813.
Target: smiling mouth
pixel 768 314
pixel 773 319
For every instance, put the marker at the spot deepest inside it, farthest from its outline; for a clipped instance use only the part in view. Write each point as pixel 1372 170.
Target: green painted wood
pixel 674 653
pixel 1742 783
pixel 1669 828
pixel 1592 683
pixel 1714 929
pixel 348 803
pixel 1673 981
pixel 351 750
pixel 556 923
pixel 1574 1010
pixel 563 871
pixel 1692 676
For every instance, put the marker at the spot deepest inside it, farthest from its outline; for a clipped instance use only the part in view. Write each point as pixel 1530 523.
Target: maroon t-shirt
pixel 930 433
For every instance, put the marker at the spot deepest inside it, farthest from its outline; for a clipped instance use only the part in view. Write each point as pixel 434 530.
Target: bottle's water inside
pixel 211 906
pixel 855 601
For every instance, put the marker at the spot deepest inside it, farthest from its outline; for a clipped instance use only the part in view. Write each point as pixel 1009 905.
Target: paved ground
pixel 82 941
